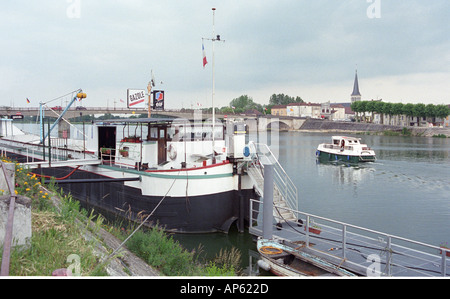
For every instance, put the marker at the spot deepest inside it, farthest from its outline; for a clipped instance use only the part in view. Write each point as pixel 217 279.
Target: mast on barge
pixel 213 39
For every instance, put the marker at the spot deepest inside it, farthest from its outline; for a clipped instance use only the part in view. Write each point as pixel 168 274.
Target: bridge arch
pixel 279 124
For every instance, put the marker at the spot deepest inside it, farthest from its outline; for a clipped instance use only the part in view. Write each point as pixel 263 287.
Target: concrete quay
pixel 337 126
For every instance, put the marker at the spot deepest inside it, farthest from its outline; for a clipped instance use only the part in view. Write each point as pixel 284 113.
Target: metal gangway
pixel 360 250
pixel 285 194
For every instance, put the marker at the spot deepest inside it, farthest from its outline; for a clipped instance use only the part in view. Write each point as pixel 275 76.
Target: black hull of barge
pixel 192 214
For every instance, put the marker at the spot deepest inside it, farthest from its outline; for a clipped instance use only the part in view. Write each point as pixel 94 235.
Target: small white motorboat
pixel 347 149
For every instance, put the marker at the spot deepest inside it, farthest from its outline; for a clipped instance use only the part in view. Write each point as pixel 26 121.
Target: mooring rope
pixel 57 179
pixel 270 250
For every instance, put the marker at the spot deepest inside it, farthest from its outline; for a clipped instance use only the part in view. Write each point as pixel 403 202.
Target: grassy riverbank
pixel 64 236
pixel 57 240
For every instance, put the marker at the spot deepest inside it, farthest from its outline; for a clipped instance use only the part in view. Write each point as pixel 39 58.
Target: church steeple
pixel 356 95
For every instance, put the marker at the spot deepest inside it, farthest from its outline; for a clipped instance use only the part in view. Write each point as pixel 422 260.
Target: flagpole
pixel 213 93
pixel 213 39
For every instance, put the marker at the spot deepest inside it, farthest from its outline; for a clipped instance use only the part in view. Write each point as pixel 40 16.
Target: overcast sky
pixel 401 49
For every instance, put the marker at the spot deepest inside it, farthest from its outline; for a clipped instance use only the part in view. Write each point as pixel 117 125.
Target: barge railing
pixel 118 158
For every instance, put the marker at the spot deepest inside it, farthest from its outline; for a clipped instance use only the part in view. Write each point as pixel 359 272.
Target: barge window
pixel 153 132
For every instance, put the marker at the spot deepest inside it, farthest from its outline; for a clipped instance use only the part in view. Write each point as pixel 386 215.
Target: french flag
pixel 204 56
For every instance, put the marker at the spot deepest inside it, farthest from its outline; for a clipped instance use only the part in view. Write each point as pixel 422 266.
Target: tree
pixel 387 109
pixel 408 111
pixel 430 112
pixel 362 108
pixel 419 111
pixel 370 107
pixel 356 107
pixel 442 111
pixel 244 103
pixel 397 109
pixel 282 99
pixel 379 108
pixel 226 110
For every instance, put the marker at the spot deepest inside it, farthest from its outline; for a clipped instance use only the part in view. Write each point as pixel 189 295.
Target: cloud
pixel 304 48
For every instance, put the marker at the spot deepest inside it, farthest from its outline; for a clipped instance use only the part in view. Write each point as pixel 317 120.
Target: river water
pixel 406 192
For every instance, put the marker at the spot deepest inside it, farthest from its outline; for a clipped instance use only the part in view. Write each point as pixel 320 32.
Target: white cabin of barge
pixel 152 143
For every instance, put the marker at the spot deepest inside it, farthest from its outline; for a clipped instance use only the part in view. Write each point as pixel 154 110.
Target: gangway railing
pixel 360 250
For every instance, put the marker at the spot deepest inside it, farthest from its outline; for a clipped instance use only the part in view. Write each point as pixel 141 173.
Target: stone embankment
pixel 429 132
pixel 317 125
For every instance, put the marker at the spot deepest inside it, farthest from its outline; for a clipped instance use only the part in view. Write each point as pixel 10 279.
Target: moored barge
pixel 190 180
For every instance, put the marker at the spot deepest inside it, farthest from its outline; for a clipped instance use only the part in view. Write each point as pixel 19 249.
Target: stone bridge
pixel 269 122
pixel 260 123
pixel 74 112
